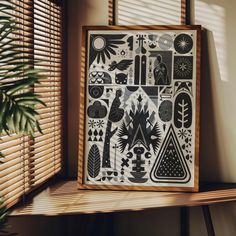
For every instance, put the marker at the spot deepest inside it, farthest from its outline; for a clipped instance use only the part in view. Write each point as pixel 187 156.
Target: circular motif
pixel 183 43
pixel 148 155
pixel 99 43
pixel 183 67
pixel 165 111
pixel 129 155
pixel 96 91
pixel 165 42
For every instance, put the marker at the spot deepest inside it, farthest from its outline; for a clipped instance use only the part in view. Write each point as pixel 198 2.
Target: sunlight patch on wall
pixel 148 12
pixel 212 17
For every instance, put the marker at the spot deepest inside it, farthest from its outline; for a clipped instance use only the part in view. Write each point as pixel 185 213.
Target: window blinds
pixel 30 161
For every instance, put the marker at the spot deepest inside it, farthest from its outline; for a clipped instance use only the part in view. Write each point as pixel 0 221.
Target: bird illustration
pixel 122 65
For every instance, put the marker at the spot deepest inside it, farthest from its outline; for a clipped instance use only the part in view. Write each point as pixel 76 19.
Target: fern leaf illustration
pixel 94 161
pixel 183 111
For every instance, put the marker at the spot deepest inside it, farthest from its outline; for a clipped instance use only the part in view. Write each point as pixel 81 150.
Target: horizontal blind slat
pixel 31 161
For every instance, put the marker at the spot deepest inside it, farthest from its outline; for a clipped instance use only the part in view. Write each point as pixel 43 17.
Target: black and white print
pixel 183 67
pixel 140 114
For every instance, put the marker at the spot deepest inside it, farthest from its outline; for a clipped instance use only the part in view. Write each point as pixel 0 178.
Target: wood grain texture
pixel 112 12
pixel 183 12
pixel 81 157
pixel 63 198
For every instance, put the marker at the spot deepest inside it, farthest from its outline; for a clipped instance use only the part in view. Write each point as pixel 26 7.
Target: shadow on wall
pixel 148 12
pixel 218 131
pixel 209 155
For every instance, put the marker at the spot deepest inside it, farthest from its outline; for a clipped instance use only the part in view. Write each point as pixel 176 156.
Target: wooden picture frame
pixel 140 108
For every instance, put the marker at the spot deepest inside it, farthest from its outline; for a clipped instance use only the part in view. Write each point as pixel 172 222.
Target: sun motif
pixel 182 133
pixel 183 67
pixel 183 43
pixel 103 45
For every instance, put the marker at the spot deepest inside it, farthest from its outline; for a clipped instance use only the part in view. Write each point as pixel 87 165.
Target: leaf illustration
pixel 94 161
pixel 183 111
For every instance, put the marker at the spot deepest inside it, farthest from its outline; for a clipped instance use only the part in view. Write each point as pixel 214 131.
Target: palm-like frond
pixel 17 77
pixel 4 227
pixel 17 97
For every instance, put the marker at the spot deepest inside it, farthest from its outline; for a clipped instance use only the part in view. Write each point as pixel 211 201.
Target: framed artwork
pixel 139 108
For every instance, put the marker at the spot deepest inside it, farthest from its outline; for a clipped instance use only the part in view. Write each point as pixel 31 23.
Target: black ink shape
pixel 139 98
pixel 125 162
pixel 129 155
pixel 123 53
pixel 109 172
pixel 109 90
pixel 106 101
pixel 132 88
pixel 161 74
pixel 150 69
pixel 148 155
pixel 152 93
pixel 130 41
pixel 121 78
pixel 183 111
pixel 99 77
pixel 140 130
pixel 97 110
pixel 116 114
pixel 183 43
pixel 122 65
pixel 143 69
pixel 138 172
pixel 165 92
pixel 183 67
pixel 109 178
pixel 92 123
pixel 94 161
pixel 170 165
pixel 90 132
pixel 165 111
pixel 140 48
pixel 96 91
pixel 100 123
pixel 183 87
pixel 95 133
pixel 165 42
pixel 164 127
pixel 182 133
pixel 152 40
pixel 136 69
pixel 102 46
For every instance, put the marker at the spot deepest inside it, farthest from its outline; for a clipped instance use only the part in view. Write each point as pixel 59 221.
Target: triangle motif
pixel 170 165
pixel 139 137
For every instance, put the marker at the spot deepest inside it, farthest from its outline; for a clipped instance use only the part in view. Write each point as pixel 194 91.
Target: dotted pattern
pixel 170 165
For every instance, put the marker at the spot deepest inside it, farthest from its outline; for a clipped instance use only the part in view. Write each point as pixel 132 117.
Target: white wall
pixel 218 129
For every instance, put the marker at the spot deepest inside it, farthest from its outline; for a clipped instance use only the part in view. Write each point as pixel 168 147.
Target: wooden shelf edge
pixel 63 198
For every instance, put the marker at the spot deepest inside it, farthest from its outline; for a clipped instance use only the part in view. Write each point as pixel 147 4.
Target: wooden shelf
pixel 63 198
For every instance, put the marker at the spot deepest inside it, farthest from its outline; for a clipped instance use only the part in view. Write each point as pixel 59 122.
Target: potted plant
pixel 17 97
